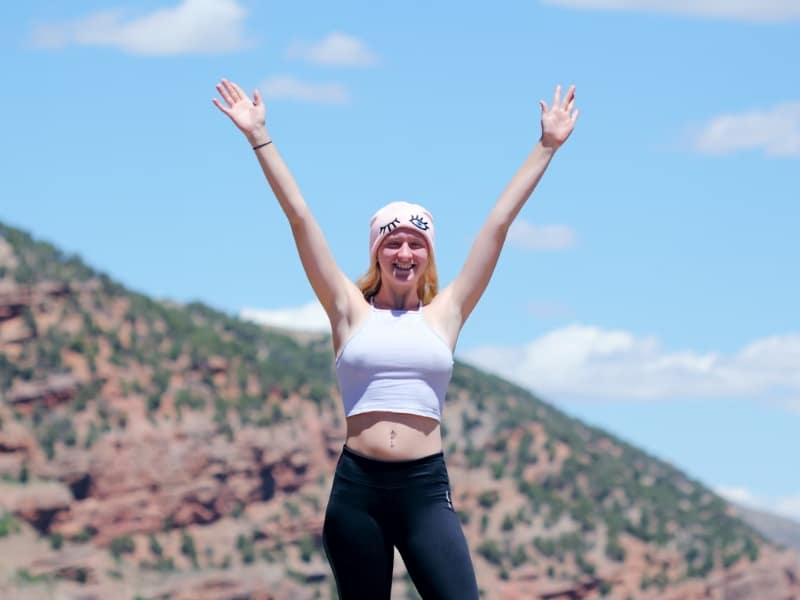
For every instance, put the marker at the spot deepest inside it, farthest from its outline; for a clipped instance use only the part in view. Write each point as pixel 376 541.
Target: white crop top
pixel 394 362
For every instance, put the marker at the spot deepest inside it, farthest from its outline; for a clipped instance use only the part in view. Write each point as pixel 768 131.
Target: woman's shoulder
pixel 351 317
pixel 441 315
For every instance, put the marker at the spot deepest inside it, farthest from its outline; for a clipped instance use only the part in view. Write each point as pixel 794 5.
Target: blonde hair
pixel 370 282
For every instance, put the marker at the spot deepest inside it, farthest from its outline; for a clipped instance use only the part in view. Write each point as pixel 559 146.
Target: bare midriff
pixel 393 436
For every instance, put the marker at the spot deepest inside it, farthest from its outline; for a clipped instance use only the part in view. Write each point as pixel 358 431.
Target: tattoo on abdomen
pixel 392 435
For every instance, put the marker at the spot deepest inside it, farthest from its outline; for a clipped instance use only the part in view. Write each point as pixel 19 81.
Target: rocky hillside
pixel 150 450
pixel 782 531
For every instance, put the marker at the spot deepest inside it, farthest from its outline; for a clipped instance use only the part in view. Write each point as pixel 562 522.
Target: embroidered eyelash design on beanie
pixel 402 215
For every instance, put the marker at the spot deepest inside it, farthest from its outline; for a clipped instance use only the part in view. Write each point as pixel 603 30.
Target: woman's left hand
pixel 558 121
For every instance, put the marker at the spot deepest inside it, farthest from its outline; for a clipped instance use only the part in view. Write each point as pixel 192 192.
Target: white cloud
pixel 192 27
pixel 739 495
pixel 786 506
pixel 582 363
pixel 540 237
pixel 335 49
pixel 793 405
pixel 289 88
pixel 775 131
pixel 742 10
pixel 309 317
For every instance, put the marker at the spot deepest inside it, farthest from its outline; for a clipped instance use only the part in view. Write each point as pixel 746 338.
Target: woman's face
pixel 403 257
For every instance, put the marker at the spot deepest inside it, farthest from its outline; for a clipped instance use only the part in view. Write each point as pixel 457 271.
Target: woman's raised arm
pixel 461 296
pixel 331 286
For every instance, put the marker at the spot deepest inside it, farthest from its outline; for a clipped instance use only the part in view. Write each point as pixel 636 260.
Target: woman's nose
pixel 405 250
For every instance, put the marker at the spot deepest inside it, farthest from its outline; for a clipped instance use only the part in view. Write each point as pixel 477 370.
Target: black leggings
pixel 376 505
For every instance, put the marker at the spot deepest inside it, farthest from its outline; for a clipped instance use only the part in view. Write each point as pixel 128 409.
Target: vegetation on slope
pixel 582 498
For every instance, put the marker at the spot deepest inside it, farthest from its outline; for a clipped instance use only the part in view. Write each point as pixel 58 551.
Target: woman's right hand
pixel 248 115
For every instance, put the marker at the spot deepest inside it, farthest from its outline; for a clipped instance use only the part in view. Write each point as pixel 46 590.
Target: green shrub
pixel 614 550
pixel 519 556
pixel 186 398
pixel 83 536
pixel 244 545
pixel 751 549
pixel 498 469
pixel 508 523
pixel 188 548
pixel 307 547
pixel 54 429
pixel 488 498
pixel 500 444
pixel 524 454
pixel 318 393
pixel 121 545
pixel 155 548
pixel 291 508
pixel 468 424
pixel 25 576
pixel 545 546
pixel 8 525
pixel 475 457
pixel 584 565
pixel 491 552
pixel 91 435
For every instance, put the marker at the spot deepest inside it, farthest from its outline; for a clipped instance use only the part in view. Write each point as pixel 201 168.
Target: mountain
pixel 781 530
pixel 156 450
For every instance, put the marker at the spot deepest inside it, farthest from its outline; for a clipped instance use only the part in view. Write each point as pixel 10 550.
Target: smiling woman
pixel 394 335
pixel 394 239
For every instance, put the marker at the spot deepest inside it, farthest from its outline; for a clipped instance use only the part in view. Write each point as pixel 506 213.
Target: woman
pixel 393 338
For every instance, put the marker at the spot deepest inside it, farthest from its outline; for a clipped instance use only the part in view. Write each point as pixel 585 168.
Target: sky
pixel 649 286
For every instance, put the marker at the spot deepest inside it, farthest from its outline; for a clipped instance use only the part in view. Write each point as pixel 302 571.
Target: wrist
pixel 258 136
pixel 548 145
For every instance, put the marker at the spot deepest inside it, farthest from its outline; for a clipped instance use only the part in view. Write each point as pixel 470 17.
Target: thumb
pixel 256 97
pixel 543 104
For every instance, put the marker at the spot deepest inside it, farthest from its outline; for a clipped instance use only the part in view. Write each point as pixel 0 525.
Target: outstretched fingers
pixel 240 92
pixel 569 104
pixel 543 104
pixel 224 109
pixel 557 96
pixel 223 91
pixel 233 90
pixel 231 93
pixel 569 98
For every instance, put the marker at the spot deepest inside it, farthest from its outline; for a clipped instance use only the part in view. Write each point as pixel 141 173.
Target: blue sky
pixel 650 284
